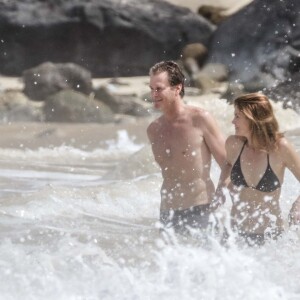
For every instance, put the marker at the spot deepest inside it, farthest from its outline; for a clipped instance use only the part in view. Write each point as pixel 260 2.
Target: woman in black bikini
pixel 257 156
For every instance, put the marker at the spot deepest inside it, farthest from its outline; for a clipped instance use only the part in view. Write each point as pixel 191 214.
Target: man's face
pixel 161 91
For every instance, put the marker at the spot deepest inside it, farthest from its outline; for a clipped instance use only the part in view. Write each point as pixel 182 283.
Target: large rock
pixel 71 106
pixel 48 78
pixel 122 104
pixel 287 92
pixel 16 107
pixel 196 51
pixel 108 37
pixel 260 40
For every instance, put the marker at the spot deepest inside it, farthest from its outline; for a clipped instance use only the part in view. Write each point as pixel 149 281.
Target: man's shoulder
pixel 200 116
pixel 195 109
pixel 196 112
pixel 154 125
pixel 156 122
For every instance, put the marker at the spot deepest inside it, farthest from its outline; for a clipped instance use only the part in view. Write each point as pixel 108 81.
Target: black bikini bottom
pixel 254 239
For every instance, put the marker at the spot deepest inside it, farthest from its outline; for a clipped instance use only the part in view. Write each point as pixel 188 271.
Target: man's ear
pixel 178 88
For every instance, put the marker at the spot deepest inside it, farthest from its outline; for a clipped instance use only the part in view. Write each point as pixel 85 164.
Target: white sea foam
pixel 81 225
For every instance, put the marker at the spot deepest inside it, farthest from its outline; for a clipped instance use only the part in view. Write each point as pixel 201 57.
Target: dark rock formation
pixel 48 78
pixel 287 92
pixel 123 104
pixel 108 37
pixel 260 40
pixel 74 107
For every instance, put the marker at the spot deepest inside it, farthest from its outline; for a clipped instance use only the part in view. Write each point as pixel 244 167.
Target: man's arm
pixel 152 131
pixel 214 139
pixel 224 179
pixel 219 196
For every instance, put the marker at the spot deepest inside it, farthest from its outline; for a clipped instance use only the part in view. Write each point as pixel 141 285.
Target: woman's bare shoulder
pixel 284 146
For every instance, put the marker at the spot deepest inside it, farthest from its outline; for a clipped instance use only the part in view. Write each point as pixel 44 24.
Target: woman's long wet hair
pixel 263 125
pixel 175 74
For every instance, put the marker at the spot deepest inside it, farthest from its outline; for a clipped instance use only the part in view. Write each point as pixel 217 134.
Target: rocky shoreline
pixel 217 56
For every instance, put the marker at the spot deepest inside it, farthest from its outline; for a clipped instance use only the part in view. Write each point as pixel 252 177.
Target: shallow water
pixel 79 224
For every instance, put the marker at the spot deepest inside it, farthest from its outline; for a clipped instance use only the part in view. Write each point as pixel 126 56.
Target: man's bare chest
pixel 177 140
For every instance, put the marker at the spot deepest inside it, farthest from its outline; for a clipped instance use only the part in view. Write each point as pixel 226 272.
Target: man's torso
pixel 184 158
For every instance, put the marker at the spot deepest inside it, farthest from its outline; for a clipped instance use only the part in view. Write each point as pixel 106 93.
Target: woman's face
pixel 241 124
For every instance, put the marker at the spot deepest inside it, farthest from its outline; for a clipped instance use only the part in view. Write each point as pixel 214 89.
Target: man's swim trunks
pixel 183 221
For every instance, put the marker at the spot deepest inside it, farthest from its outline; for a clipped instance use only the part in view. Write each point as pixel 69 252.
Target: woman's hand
pixel 294 215
pixel 218 199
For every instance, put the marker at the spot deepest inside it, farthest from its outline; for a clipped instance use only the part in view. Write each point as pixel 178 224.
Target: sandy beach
pixel 88 136
pixel 230 6
pixel 30 135
pixel 83 136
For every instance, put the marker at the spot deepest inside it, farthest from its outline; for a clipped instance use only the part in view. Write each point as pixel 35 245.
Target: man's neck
pixel 172 112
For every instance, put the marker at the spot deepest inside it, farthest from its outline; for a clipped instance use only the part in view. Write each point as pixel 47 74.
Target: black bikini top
pixel 268 183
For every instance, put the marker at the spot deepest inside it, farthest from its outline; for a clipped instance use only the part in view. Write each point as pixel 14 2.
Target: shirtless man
pixel 183 140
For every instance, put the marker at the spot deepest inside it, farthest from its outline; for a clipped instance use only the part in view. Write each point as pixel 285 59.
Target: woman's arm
pixel 292 162
pixel 294 215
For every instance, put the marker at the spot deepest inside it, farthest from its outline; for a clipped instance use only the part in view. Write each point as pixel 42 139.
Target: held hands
pixel 218 199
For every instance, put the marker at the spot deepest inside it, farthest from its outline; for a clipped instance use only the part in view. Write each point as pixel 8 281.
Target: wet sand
pixel 29 135
pixel 230 6
pixel 86 136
